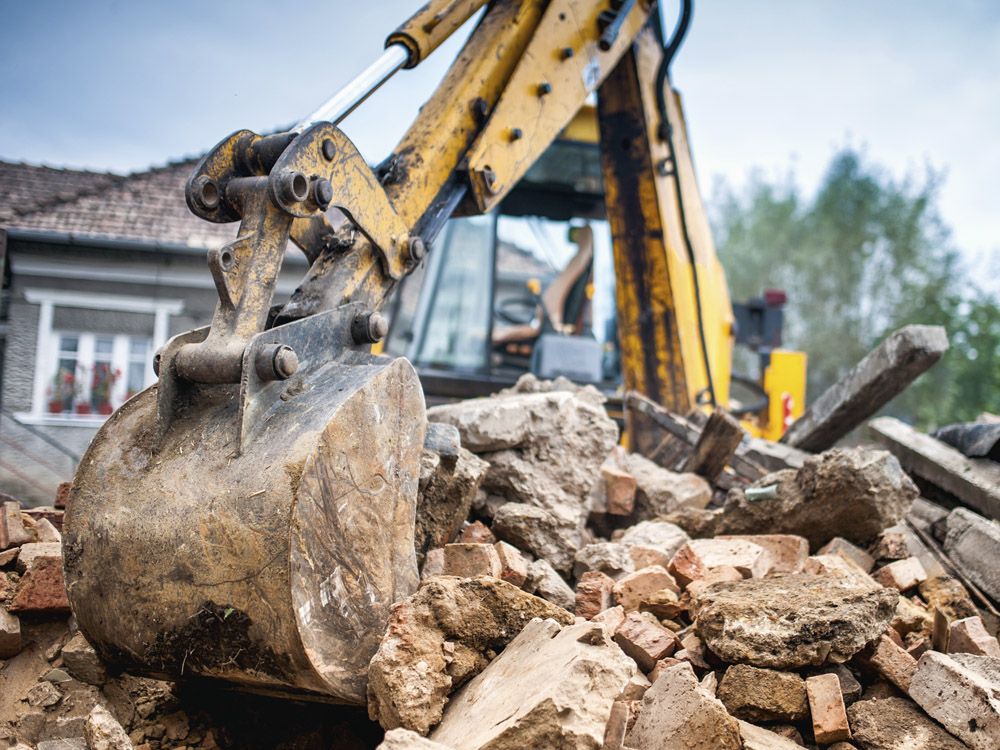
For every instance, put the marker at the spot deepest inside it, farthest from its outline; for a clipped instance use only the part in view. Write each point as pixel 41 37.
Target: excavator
pixel 249 518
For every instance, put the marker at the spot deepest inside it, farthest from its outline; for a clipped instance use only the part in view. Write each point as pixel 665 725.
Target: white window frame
pixel 47 341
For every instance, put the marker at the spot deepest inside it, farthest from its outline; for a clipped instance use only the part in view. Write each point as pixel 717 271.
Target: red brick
pixel 662 664
pixel 826 704
pixel 645 557
pixel 633 589
pixel 433 563
pixel 892 662
pixel 42 588
pixel 513 565
pixel 593 593
pixel 645 641
pixel 619 489
pixel 840 546
pixel 62 495
pixel 686 566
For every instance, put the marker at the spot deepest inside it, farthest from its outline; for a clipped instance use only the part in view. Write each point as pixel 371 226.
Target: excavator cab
pixel 528 287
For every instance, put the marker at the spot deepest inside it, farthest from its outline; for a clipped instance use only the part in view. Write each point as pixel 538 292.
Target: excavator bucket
pixel 268 559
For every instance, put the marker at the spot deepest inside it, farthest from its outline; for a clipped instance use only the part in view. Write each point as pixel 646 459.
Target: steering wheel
pixel 517 310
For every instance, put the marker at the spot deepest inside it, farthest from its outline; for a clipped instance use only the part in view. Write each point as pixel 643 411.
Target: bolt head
pixel 516 134
pixel 323 192
pixel 378 327
pixel 286 362
pixel 566 53
pixel 544 88
pixel 329 149
pixel 206 192
pixel 417 249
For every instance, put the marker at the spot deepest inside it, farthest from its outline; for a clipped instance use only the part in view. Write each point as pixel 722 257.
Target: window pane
pixel 136 378
pixel 139 348
pixel 103 345
pixel 69 343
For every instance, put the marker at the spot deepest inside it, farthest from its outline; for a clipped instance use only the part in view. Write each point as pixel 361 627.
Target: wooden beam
pixel 878 378
pixel 973 481
pixel 717 444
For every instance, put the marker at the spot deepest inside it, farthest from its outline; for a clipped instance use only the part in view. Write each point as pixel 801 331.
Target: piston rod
pixel 341 104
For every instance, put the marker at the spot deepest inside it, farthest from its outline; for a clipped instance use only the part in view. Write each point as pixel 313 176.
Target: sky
pixel 770 85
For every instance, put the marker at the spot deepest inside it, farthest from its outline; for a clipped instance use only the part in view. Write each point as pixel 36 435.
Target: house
pixel 99 270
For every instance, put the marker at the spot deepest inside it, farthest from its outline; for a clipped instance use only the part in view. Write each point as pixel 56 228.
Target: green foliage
pixel 863 257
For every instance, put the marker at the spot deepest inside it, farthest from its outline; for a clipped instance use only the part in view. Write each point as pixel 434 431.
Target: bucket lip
pixel 387 370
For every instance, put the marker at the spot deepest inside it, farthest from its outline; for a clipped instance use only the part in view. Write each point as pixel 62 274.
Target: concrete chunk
pixel 791 621
pixel 635 588
pixel 759 738
pixel 436 639
pixel 896 724
pixel 901 574
pixel 659 491
pixel 973 543
pixel 969 636
pixel 404 739
pixel 609 558
pixel 103 732
pixel 840 546
pixel 35 550
pixel 676 714
pixel 962 692
pixel 750 559
pixel 787 552
pixel 470 560
pixel 10 634
pixel 550 687
pixel 544 581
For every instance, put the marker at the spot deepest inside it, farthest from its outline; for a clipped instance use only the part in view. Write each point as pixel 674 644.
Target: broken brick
pixel 686 566
pixel 513 565
pixel 477 533
pixel 42 588
pixel 645 641
pixel 10 634
pixel 619 489
pixel 787 552
pixel 635 588
pixel 891 661
pixel 969 636
pixel 901 574
pixel 593 593
pixel 840 546
pixel 750 559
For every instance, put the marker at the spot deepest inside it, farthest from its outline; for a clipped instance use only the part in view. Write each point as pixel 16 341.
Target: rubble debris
pixel 787 553
pixel 593 594
pixel 28 553
pixel 896 724
pixel 659 491
pixel 404 739
pixel 960 691
pixel 476 533
pixel 891 661
pixel 544 534
pixel 632 590
pixel 757 694
pixel 973 481
pixel 440 637
pixel 948 595
pixel 852 493
pixel 645 640
pixel 513 565
pixel 827 709
pixel 12 530
pixel 471 560
pixel 611 558
pixel 973 544
pixel 883 374
pixel 750 559
pixel 791 621
pixel 82 661
pixel 902 575
pixel 545 582
pixel 10 634
pixel 759 738
pixel 42 588
pixel 974 439
pixel 843 548
pixel 551 687
pixel 103 732
pixel 969 636
pixel 676 713
pixel 653 541
pixel 449 480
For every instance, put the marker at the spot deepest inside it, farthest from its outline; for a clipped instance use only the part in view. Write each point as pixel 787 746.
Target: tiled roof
pixel 145 206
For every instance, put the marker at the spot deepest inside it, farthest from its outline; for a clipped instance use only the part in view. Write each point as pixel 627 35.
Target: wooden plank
pixel 882 375
pixel 717 444
pixel 973 481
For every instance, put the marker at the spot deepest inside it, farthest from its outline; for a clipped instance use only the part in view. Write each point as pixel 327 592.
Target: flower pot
pixel 105 409
pixel 55 407
pixel 83 408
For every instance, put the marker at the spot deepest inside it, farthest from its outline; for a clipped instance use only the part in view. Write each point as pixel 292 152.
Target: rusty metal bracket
pixel 323 169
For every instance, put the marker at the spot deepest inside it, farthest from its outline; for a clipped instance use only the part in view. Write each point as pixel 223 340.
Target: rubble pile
pixel 575 595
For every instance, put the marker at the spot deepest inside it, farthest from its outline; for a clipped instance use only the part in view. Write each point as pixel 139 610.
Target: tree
pixel 866 255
